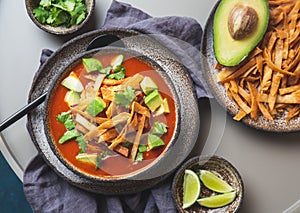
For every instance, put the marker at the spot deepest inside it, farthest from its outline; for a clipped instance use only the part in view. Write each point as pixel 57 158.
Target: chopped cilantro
pixel 126 97
pixel 139 157
pixel 60 12
pixel 68 136
pixel 105 70
pixel 81 143
pixel 100 158
pixel 159 128
pixel 119 73
pixel 66 119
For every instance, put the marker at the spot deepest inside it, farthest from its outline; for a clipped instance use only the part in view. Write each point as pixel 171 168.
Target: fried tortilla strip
pixel 108 93
pixel 292 98
pixel 224 73
pixel 122 150
pixel 274 89
pixel 120 138
pixel 133 82
pixel 244 94
pixel 113 82
pixel 266 81
pixel 241 70
pixel 269 62
pixel 141 109
pixel 290 89
pixel 98 120
pixel 253 95
pixel 84 122
pixel 234 86
pixel 240 115
pixel 264 111
pixel 81 129
pixel 109 110
pixel 108 135
pixel 118 119
pixel 241 103
pixel 98 81
pixel 293 112
pixel 137 138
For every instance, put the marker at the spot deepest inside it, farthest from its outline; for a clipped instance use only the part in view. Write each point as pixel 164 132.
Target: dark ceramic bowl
pixel 169 68
pixel 60 30
pixel 154 169
pixel 217 165
pixel 208 63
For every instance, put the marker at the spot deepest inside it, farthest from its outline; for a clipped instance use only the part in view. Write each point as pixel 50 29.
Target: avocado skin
pixel 231 52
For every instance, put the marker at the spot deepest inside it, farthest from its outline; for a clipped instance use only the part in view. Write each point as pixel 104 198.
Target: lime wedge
pixel 87 158
pixel 213 182
pixel 191 188
pixel 217 200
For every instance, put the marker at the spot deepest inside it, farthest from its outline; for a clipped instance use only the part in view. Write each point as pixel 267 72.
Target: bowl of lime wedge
pixel 206 184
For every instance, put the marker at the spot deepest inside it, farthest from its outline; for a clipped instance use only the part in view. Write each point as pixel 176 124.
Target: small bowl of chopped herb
pixel 60 16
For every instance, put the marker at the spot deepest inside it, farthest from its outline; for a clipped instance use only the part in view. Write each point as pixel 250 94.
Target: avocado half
pixel 230 51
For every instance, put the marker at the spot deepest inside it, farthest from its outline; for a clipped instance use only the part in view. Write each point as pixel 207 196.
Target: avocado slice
pixel 96 106
pixel 153 100
pixel 148 85
pixel 164 108
pixel 239 25
pixel 72 98
pixel 73 83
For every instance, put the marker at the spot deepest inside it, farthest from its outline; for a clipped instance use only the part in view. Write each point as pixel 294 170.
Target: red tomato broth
pixel 115 165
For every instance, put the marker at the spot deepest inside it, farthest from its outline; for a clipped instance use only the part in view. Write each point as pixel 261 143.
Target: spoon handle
pixel 23 111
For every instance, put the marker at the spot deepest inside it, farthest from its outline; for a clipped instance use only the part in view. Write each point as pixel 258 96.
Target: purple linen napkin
pixel 47 192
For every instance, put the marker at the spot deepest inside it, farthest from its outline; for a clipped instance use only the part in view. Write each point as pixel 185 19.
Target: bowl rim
pixel 141 173
pixel 203 159
pixel 63 30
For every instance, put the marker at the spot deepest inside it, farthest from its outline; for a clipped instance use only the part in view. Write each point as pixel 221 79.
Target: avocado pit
pixel 242 21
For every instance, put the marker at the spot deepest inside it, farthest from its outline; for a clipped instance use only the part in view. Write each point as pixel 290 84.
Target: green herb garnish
pixel 60 12
pixel 159 128
pixel 70 134
pixel 139 157
pixel 66 119
pixel 100 158
pixel 126 97
pixel 81 143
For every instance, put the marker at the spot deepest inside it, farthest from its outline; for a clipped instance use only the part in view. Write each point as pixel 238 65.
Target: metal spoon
pixel 98 42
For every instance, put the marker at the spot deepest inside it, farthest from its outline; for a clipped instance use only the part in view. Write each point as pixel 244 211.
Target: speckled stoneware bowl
pixel 151 170
pixel 208 62
pixel 60 30
pixel 219 166
pixel 188 116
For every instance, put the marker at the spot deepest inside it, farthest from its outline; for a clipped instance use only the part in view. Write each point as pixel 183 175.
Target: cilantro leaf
pixel 117 76
pixel 100 158
pixel 68 135
pixel 126 97
pixel 66 119
pixel 105 70
pixel 139 157
pixel 41 14
pixel 60 12
pixel 159 128
pixel 81 143
pixel 45 3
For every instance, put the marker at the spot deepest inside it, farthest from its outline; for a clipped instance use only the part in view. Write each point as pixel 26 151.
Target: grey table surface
pixel 267 162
